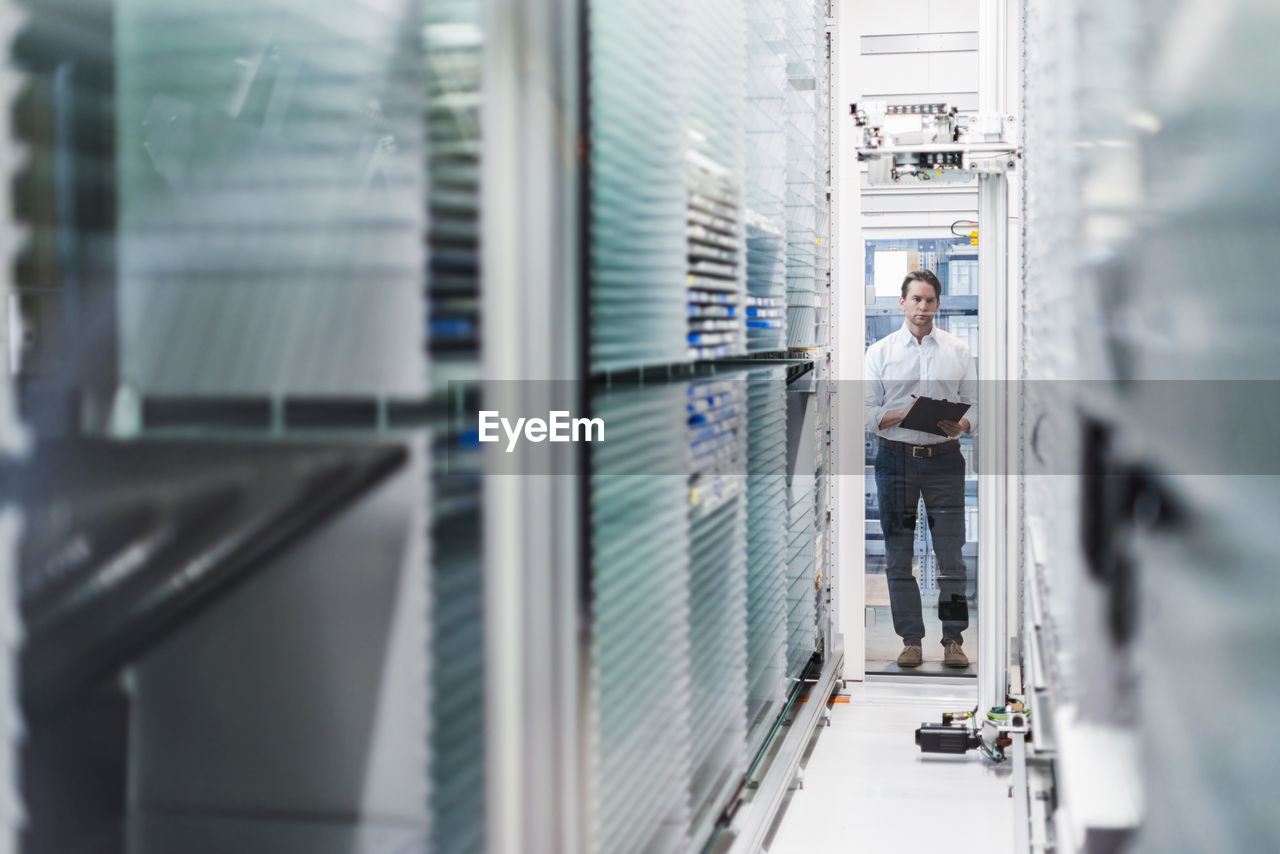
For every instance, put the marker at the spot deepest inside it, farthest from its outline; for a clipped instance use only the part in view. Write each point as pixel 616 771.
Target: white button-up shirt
pixel 897 368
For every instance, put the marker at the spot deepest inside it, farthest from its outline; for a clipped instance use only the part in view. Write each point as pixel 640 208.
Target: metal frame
pixel 996 452
pixel 833 638
pixel 998 336
pixel 1021 806
pixel 996 147
pixel 849 332
pixel 529 264
pixel 992 440
pixel 1012 84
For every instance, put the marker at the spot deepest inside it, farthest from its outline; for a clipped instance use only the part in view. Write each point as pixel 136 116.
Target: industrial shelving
pixel 287 245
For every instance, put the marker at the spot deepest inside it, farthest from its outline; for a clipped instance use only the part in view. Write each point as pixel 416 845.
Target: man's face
pixel 919 306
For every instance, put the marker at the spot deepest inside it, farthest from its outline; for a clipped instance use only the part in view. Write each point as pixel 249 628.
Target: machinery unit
pixel 960 732
pixel 919 143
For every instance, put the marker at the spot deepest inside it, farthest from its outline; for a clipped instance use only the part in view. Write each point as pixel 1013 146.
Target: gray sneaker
pixel 953 655
pixel 911 655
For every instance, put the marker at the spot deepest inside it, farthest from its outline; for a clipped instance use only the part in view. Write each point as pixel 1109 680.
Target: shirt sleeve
pixel 969 389
pixel 873 392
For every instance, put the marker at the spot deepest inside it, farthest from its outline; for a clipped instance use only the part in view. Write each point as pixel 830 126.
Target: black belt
pixel 921 452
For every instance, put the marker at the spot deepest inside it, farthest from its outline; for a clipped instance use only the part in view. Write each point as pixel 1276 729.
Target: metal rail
pixel 992 148
pixel 1021 805
pixel 753 820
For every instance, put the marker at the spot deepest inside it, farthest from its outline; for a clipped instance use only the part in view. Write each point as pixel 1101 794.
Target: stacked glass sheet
pixel 801 533
pixel 639 746
pixel 717 622
pixel 697 117
pixel 801 499
pixel 717 594
pixel 716 410
pixel 766 176
pixel 453 42
pixel 452 47
pixel 822 173
pixel 766 552
pixel 271 197
pixel 715 271
pixel 63 194
pixel 715 50
pixel 457 755
pixel 248 175
pixel 821 549
pixel 715 55
pixel 11 726
pixel 637 134
pixel 802 178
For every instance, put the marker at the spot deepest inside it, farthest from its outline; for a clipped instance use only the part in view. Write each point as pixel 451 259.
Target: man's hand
pixel 954 428
pixel 893 418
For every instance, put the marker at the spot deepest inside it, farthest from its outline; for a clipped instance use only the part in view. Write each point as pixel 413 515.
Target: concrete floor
pixel 866 786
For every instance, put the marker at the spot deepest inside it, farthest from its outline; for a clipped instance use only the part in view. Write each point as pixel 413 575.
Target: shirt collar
pixel 906 333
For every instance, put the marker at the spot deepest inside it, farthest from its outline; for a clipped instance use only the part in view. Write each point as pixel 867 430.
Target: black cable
pixel 977 730
pixel 957 234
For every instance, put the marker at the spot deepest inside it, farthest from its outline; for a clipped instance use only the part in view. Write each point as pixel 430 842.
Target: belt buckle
pixel 928 452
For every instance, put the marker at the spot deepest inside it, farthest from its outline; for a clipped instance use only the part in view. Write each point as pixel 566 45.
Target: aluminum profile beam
pixel 991 441
pixel 993 359
pixel 529 219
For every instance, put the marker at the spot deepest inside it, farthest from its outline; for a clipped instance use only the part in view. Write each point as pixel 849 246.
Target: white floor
pixel 867 787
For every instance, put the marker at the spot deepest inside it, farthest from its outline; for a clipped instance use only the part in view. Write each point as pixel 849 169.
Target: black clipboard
pixel 926 412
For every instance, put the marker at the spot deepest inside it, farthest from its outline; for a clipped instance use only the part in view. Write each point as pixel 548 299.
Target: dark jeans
pixel 900 481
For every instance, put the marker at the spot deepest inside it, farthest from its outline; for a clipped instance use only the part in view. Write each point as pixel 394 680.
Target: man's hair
pixel 925 276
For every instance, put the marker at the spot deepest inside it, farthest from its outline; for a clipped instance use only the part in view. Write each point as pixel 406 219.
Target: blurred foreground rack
pixel 269 591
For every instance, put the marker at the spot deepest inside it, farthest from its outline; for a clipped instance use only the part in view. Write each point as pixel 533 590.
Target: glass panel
pixel 937 562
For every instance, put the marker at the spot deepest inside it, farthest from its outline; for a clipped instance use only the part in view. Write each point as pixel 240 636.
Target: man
pixel 920 359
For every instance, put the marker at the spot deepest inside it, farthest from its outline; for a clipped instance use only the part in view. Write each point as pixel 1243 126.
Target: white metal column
pixel 1012 107
pixel 530 329
pixel 848 324
pixel 848 330
pixel 993 437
